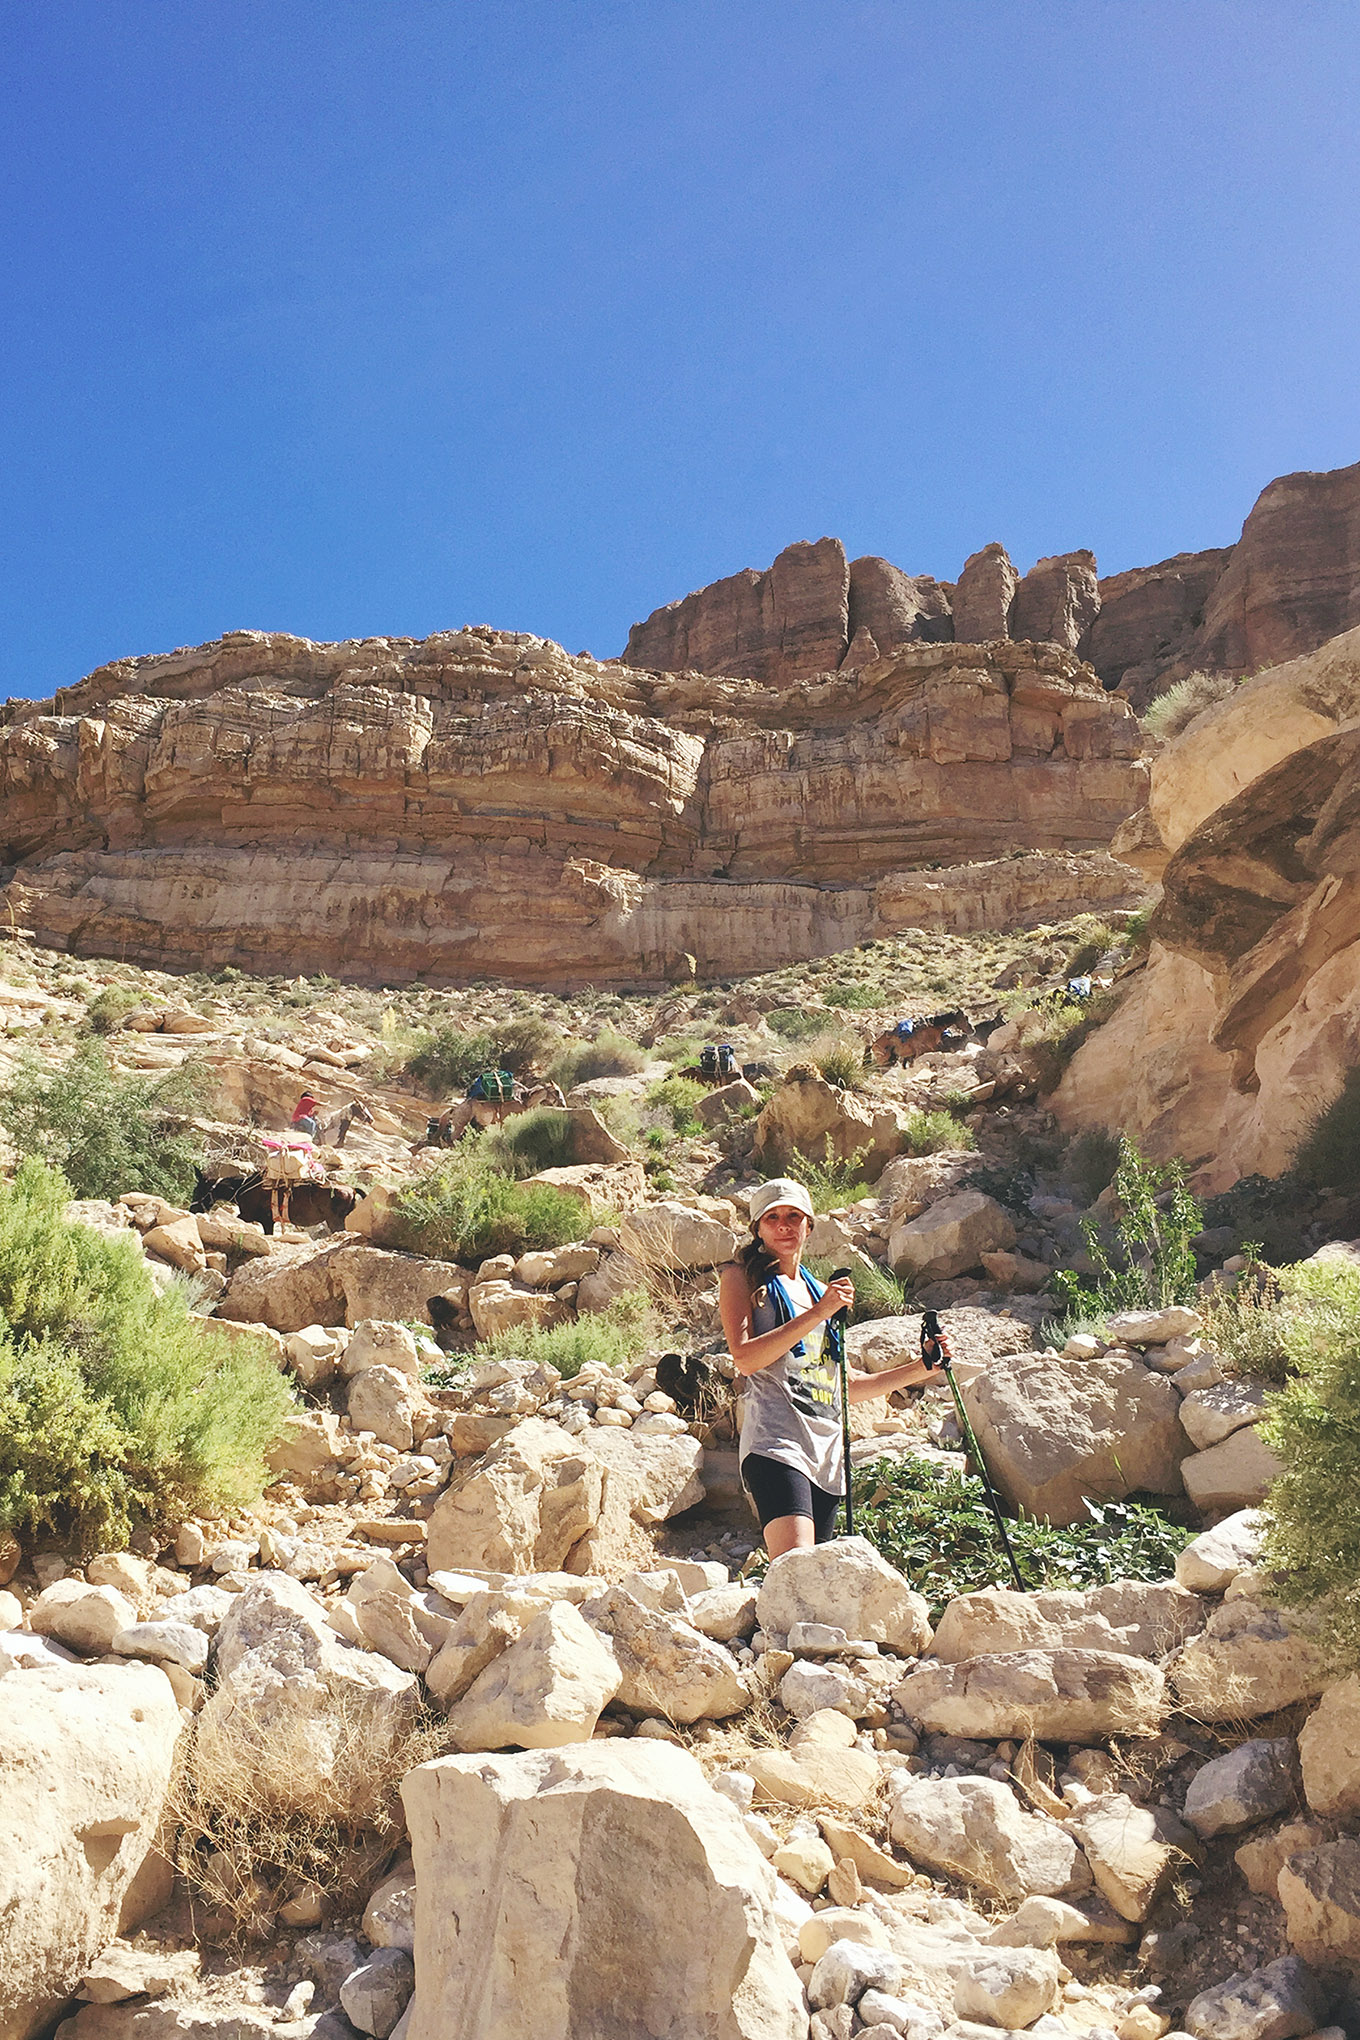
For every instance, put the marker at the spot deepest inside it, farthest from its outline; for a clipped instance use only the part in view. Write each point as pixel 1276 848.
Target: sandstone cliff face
pixel 481 802
pixel 1291 582
pixel 1248 1017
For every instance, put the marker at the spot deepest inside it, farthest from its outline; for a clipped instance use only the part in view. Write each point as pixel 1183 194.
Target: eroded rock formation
pixel 1247 1019
pixel 480 803
pixel 1291 582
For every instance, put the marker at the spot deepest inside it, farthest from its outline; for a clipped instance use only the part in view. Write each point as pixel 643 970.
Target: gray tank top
pixel 791 1411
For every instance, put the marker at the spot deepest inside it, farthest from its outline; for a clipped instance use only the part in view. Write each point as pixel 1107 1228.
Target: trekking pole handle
pixel 934 1344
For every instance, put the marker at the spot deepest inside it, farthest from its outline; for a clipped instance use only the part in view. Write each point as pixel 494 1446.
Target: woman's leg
pixel 826 1510
pixel 783 1499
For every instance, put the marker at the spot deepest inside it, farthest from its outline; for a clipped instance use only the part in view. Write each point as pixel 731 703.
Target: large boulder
pixel 667 1666
pixel 1075 1696
pixel 1320 1892
pixel 522 1508
pixel 86 1758
pixel 1241 1788
pixel 975 1829
pixel 291 1287
pixel 847 1584
pixel 298 1719
pixel 545 1689
pixel 1248 1660
pixel 1211 1561
pixel 1329 1751
pixel 1055 1432
pixel 648 1478
pixel 1236 1474
pixel 950 1237
pixel 386 1402
pixel 1136 1617
pixel 1132 1850
pixel 674 1236
pixel 1273 2003
pixel 807 1116
pixel 605 1889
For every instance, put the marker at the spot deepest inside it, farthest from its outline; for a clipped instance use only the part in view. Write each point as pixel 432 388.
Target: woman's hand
pixel 838 1295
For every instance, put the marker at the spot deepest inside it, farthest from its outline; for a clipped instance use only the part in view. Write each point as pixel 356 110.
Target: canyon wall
pixel 1246 1022
pixel 481 803
pixel 1291 582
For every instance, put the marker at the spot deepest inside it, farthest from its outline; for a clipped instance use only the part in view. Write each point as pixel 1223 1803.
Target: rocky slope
pixel 482 804
pixel 1291 582
pixel 1247 1020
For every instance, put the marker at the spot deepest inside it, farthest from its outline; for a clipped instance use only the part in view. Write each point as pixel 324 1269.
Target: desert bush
pixel 1063 1026
pixel 840 1059
pixel 527 1044
pixel 830 1183
pixel 1093 938
pixel 1278 1322
pixel 931 1133
pixel 107 1132
pixel 1328 1156
pixel 678 1096
pixel 796 1023
pixel 1174 711
pixel 541 1139
pixel 115 1404
pixel 468 1208
pixel 614 1338
pixel 610 1054
pixel 1313 1510
pixel 854 998
pixel 1157 1218
pixel 108 1007
pixel 1271 1211
pixel 1090 1162
pixel 878 1292
pixel 449 1060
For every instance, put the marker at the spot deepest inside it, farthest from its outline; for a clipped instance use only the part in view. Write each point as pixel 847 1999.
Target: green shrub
pixel 1313 1510
pixel 449 1060
pixel 796 1023
pixel 1328 1156
pixel 107 1132
pixel 109 1006
pixel 1093 938
pixel 931 1133
pixel 541 1139
pixel 115 1404
pixel 853 998
pixel 1157 1219
pixel 468 1208
pixel 528 1044
pixel 678 1096
pixel 1064 1025
pixel 1280 1321
pixel 878 1293
pixel 840 1059
pixel 609 1055
pixel 615 1337
pixel 1175 710
pixel 934 1524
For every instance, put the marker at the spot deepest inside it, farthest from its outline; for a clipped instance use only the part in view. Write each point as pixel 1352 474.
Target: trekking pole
pixel 935 1352
pixel 835 1329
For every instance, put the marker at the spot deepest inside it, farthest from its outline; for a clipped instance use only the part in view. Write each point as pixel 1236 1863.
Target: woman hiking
pixel 774 1318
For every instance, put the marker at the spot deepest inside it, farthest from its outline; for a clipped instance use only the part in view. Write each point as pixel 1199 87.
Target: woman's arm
pixel 751 1355
pixel 912 1374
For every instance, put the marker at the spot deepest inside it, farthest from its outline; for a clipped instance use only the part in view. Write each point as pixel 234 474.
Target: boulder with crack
pixel 1140 1618
pixel 846 1584
pixel 554 1887
pixel 545 1689
pixel 1249 1660
pixel 1132 1850
pixel 975 1829
pixel 522 1508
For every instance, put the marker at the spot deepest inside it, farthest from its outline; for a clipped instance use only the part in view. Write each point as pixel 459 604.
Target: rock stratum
pixel 1291 582
pixel 482 803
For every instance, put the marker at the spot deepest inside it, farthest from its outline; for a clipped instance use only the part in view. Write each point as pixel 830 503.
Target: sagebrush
pixel 470 1207
pixel 106 1130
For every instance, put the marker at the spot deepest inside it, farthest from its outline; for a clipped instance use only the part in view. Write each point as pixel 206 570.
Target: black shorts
pixel 779 1490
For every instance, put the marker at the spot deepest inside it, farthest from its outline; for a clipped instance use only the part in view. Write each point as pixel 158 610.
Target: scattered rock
pixel 531 1499
pixel 545 1689
pixel 1320 1893
pixel 848 1584
pixel 1235 1475
pixel 1136 1617
pixel 1132 1850
pixel 950 1237
pixel 1211 1561
pixel 667 1667
pixel 375 1994
pixel 1270 2004
pixel 974 1828
pixel 1249 1660
pixel 1057 1695
pixel 84 1617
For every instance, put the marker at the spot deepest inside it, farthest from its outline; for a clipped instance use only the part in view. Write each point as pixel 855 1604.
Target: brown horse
pixel 912 1038
pixel 484 1112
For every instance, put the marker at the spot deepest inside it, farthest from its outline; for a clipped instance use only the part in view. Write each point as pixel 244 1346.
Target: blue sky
pixel 386 317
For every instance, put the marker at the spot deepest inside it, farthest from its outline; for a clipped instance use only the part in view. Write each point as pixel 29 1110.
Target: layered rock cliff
pixel 1291 582
pixel 1247 1019
pixel 481 803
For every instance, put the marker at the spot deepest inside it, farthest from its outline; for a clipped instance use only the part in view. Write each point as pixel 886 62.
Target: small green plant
pixel 1174 711
pixel 541 1139
pixel 878 1293
pixel 610 1054
pixel 468 1208
pixel 1063 1025
pixel 116 1405
pixel 1278 1322
pixel 1157 1220
pixel 1328 1156
pixel 107 1132
pixel 660 1179
pixel 1313 1510
pixel 840 1060
pixel 830 1183
pixel 934 1524
pixel 853 998
pixel 527 1044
